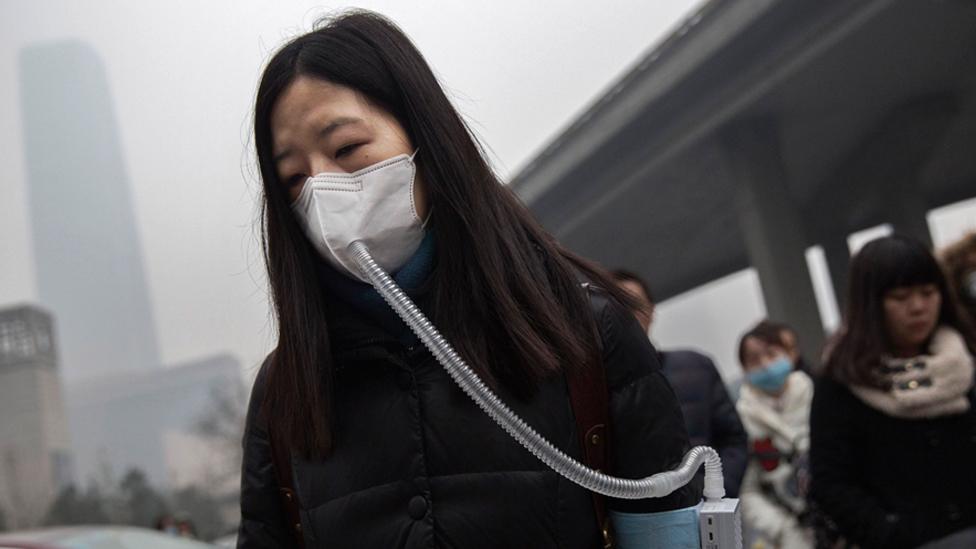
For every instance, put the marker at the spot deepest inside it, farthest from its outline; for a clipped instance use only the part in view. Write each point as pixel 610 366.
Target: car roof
pixel 96 537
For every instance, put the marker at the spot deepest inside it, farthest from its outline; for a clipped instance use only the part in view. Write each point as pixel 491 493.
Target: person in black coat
pixel 356 141
pixel 710 415
pixel 893 427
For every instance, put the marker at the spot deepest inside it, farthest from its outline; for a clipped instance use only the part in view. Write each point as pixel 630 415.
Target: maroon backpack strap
pixel 281 458
pixel 590 400
pixel 588 396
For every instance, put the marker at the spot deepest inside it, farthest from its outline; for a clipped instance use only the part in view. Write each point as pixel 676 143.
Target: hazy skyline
pixel 182 77
pixel 87 250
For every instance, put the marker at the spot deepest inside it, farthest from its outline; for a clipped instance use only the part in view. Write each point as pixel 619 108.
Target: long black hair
pixel 881 265
pixel 504 291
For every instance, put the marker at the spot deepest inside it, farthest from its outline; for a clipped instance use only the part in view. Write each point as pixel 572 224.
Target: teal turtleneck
pixel 364 298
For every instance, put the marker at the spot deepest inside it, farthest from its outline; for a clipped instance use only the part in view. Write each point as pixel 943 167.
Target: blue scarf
pixel 364 298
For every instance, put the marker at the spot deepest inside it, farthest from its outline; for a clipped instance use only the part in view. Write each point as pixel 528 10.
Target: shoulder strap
pixel 281 458
pixel 590 398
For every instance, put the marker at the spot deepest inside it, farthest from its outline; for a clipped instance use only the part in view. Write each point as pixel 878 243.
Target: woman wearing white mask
pixel 774 406
pixel 893 428
pixel 351 418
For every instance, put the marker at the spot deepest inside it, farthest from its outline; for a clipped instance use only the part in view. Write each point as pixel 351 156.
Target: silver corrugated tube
pixel 654 486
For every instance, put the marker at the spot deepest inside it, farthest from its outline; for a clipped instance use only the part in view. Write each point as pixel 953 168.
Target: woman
pixel 893 430
pixel 384 450
pixel 774 405
pixel 959 259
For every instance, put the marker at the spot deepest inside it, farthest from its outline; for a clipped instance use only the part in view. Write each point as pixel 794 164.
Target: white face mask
pixel 373 205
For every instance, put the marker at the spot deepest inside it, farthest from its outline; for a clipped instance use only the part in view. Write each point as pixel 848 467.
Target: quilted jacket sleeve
pixel 647 429
pixel 263 522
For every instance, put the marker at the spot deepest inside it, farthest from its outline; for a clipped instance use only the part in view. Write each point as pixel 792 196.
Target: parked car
pixel 96 537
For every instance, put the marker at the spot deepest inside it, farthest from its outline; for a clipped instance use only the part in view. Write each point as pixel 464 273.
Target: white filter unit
pixel 721 524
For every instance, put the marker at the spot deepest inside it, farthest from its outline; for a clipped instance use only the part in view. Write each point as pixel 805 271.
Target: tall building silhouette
pixel 89 264
pixel 35 459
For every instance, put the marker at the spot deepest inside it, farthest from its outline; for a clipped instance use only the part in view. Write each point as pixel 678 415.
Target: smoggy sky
pixel 182 77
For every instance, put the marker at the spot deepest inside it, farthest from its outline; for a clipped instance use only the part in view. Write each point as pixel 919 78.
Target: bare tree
pixel 222 424
pixel 72 506
pixel 143 503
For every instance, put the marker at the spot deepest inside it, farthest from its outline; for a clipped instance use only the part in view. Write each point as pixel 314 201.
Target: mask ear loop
pixel 423 224
pixel 430 212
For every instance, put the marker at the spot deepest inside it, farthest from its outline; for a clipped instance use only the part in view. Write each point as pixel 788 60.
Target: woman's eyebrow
pixel 336 124
pixel 325 132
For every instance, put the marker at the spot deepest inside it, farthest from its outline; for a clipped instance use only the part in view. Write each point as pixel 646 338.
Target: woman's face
pixel 911 313
pixel 318 126
pixel 758 354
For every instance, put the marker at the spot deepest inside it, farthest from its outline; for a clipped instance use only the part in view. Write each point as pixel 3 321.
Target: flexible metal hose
pixel 654 486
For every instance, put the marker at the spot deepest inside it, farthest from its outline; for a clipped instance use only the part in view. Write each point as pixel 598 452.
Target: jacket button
pixel 417 507
pixel 404 380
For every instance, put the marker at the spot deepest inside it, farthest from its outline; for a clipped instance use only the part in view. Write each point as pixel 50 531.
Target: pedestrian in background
pixel 893 433
pixel 791 343
pixel 774 404
pixel 708 410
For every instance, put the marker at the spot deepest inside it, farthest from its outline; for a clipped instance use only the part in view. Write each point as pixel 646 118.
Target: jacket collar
pixel 358 316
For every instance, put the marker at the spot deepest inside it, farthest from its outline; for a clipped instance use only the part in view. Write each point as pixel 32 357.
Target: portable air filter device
pixel 720 524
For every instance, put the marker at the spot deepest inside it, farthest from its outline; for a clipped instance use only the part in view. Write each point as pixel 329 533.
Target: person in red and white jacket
pixel 774 406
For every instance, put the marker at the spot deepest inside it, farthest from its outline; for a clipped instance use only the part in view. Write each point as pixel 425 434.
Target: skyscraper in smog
pixel 87 252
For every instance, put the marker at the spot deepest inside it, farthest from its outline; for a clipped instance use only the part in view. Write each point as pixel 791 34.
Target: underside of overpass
pixel 761 128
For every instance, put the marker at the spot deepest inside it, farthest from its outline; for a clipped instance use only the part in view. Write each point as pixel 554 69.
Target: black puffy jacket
pixel 417 464
pixel 890 482
pixel 710 416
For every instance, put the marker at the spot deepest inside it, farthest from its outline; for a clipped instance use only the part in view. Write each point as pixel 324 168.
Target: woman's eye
pixel 295 180
pixel 343 151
